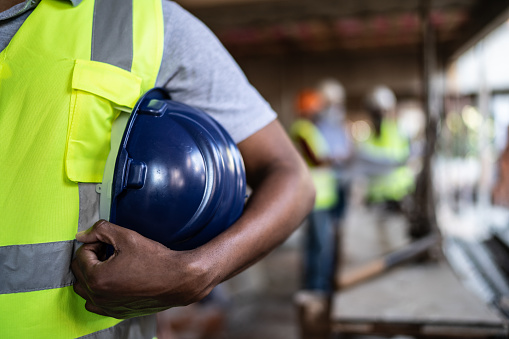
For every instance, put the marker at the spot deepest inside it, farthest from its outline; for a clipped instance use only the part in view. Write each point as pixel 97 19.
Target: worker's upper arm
pixel 268 149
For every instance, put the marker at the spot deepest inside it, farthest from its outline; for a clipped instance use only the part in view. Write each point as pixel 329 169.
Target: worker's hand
pixel 141 277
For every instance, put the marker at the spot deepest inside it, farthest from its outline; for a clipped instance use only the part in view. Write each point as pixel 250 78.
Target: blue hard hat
pixel 178 177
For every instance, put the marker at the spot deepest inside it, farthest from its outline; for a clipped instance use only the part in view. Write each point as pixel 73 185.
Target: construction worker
pixel 388 146
pixel 332 124
pixel 67 68
pixel 319 258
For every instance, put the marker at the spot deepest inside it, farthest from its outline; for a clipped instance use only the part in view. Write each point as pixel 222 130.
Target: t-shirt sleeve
pixel 197 70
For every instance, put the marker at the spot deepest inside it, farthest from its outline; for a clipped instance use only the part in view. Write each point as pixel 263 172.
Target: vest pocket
pixel 99 92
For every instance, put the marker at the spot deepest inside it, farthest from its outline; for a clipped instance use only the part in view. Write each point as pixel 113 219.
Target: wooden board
pixel 418 299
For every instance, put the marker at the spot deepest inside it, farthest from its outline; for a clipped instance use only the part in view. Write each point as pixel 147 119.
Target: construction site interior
pixel 438 265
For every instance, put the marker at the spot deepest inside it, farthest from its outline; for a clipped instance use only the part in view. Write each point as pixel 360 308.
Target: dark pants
pixel 320 251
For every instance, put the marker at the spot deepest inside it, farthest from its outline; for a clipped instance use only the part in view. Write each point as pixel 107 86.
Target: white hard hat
pixel 381 98
pixel 332 90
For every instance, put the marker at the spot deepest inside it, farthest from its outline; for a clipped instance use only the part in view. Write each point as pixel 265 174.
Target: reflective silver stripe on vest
pixel 112 33
pixel 135 328
pixel 89 206
pixel 34 267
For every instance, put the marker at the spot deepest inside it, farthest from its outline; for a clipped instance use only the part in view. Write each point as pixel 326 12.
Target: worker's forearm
pixel 276 208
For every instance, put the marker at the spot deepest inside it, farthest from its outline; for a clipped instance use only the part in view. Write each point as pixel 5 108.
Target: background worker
pixel 319 248
pixel 46 62
pixel 332 124
pixel 388 147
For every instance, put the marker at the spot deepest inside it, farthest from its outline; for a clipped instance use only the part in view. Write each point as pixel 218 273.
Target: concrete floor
pixel 263 308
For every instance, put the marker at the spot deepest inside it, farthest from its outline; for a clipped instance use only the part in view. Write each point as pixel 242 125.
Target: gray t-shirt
pixel 196 70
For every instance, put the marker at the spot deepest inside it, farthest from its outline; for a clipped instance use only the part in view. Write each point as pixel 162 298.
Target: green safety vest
pixel 323 177
pixel 64 78
pixel 390 144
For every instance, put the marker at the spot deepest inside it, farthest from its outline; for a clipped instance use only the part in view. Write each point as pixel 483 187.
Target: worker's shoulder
pixel 178 18
pixel 171 6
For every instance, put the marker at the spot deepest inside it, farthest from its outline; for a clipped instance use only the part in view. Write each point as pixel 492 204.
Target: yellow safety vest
pixel 63 79
pixel 391 145
pixel 323 177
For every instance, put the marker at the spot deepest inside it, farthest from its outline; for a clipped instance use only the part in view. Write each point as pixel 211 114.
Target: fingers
pixel 117 312
pixel 92 253
pixel 79 290
pixel 79 286
pixel 87 259
pixel 89 306
pixel 101 231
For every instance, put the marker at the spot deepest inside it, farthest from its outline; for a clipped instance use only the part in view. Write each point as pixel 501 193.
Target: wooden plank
pixel 380 265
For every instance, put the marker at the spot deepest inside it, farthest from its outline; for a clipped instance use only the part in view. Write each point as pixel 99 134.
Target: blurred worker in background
pixel 388 147
pixel 332 124
pixel 319 258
